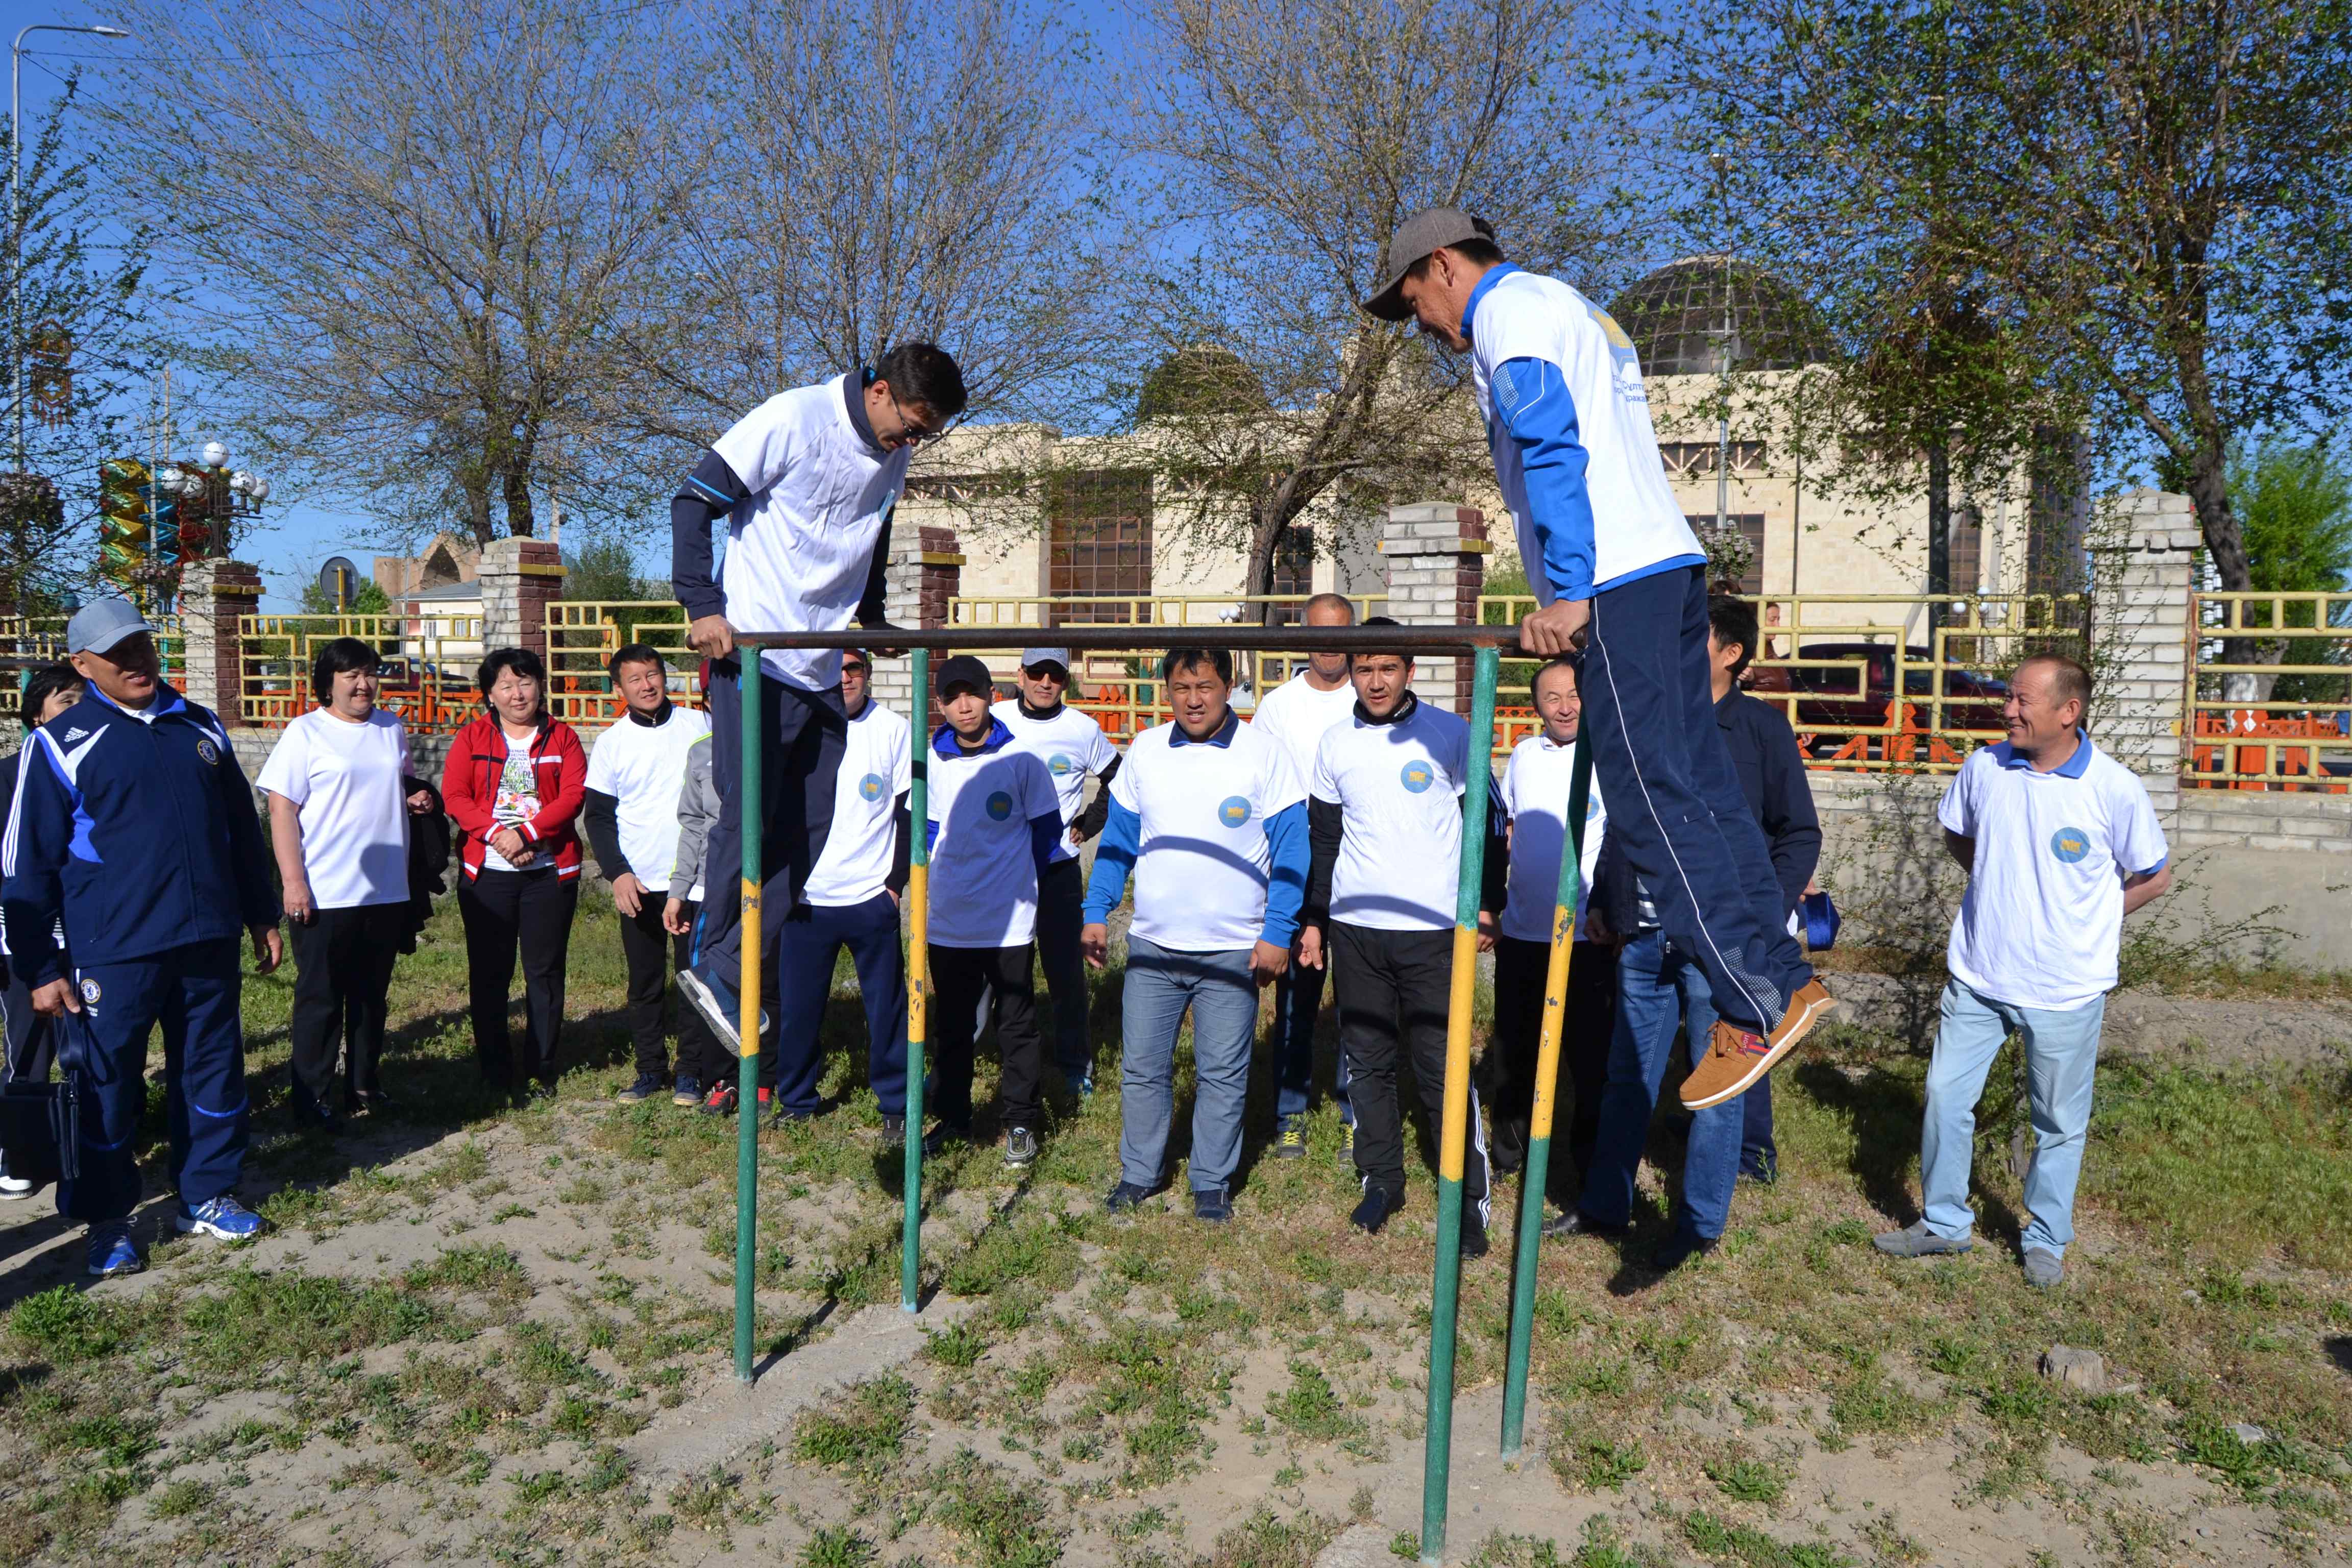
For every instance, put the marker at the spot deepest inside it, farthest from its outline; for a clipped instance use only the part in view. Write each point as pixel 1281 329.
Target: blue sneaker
pixel 687 1091
pixel 223 1216
pixel 648 1084
pixel 111 1250
pixel 719 1005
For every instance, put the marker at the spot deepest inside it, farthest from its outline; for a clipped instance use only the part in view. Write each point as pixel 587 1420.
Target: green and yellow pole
pixel 1538 1165
pixel 1437 1453
pixel 919 977
pixel 747 1100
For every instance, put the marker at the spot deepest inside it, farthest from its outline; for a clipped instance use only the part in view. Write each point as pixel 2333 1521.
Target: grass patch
pixel 257 1317
pixel 1311 1407
pixel 1264 1541
pixel 68 1325
pixel 1725 1541
pixel 998 1520
pixel 864 1431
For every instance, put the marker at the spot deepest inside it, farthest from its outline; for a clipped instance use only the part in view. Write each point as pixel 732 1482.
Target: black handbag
pixel 40 1123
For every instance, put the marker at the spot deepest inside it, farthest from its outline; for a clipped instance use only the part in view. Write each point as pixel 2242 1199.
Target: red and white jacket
pixel 469 787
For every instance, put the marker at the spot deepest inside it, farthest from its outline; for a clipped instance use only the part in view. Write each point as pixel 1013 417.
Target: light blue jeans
pixel 1160 983
pixel 2062 1053
pixel 1658 986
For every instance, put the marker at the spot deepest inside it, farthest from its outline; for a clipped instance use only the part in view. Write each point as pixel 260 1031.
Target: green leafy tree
pixel 2295 502
pixel 367 599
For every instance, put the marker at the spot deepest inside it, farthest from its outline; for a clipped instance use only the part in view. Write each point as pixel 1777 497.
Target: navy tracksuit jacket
pixel 139 830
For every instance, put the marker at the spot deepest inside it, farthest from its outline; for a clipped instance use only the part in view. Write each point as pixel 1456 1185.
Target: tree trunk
pixel 476 484
pixel 518 498
pixel 1940 526
pixel 1267 527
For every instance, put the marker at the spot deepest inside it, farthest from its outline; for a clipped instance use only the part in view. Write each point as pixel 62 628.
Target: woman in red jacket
pixel 515 780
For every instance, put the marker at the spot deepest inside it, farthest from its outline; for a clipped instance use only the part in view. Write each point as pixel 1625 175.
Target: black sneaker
pixel 1126 1197
pixel 310 1113
pixel 1678 1249
pixel 368 1102
pixel 1020 1148
pixel 1576 1222
pixel 1474 1237
pixel 1373 1212
pixel 893 1132
pixel 649 1085
pixel 785 1116
pixel 1214 1205
pixel 540 1092
pixel 941 1134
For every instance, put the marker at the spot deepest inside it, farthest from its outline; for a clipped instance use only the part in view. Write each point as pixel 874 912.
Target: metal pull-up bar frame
pixel 1484 644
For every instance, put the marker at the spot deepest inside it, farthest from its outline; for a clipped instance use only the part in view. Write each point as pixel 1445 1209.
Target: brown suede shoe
pixel 1735 1059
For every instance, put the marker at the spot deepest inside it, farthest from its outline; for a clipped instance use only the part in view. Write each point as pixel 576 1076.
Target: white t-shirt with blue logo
pixel 1534 797
pixel 1203 861
pixel 875 771
pixel 1071 745
pixel 2043 915
pixel 983 884
pixel 1399 789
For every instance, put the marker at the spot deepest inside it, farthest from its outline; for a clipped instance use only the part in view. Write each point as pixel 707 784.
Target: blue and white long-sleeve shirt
pixel 1568 427
pixel 137 830
pixel 1214 832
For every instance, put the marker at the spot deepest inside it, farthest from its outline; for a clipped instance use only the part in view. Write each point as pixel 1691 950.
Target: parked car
pixel 1832 693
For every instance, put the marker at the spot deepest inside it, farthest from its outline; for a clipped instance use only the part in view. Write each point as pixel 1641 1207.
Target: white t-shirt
pixel 344 780
pixel 643 767
pixel 1202 859
pixel 984 883
pixel 1637 523
pixel 1071 745
pixel 875 770
pixel 799 548
pixel 516 802
pixel 1399 787
pixel 1296 714
pixel 2043 915
pixel 1534 796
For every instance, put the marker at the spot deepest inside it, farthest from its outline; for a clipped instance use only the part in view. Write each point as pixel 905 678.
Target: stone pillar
pixel 1437 558
pixel 213 595
pixel 923 573
pixel 2139 637
pixel 519 578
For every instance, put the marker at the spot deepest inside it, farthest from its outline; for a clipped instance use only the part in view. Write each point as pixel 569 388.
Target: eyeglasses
pixel 912 434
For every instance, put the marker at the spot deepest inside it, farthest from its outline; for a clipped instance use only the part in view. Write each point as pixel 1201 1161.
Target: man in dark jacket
pixel 134 822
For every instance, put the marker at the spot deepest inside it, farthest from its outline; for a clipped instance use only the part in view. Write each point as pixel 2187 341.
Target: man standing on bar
pixel 806 483
pixel 1618 577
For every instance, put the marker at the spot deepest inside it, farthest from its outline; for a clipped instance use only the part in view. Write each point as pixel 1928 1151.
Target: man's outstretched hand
pixel 1558 628
pixel 712 636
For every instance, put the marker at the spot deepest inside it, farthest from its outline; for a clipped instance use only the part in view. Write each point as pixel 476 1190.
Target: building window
pixel 1696 459
pixel 1967 540
pixel 1734 553
pixel 1098 542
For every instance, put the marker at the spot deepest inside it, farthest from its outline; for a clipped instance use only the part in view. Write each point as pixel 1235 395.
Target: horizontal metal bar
pixel 1149 638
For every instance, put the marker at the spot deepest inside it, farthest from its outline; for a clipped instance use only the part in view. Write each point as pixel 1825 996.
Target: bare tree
pixel 426 222
pixel 886 173
pixel 1280 142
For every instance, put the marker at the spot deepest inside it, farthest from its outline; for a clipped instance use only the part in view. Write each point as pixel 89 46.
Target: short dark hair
pixel 1734 621
pixel 522 661
pixel 1216 658
pixel 45 683
pixel 1405 653
pixel 635 653
pixel 1534 681
pixel 925 376
pixel 2069 681
pixel 342 654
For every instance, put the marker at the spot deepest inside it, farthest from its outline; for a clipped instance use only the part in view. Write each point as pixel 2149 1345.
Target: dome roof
pixel 1202 379
pixel 1676 315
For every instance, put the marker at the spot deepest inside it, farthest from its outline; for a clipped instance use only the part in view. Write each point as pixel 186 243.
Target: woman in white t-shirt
pixel 338 812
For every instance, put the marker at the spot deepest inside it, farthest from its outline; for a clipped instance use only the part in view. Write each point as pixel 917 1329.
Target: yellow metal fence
pixel 582 635
pixel 43 638
pixel 427 670
pixel 2279 720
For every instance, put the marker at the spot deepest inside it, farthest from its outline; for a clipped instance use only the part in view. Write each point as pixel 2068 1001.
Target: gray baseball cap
pixel 1422 233
pixel 1035 656
pixel 101 624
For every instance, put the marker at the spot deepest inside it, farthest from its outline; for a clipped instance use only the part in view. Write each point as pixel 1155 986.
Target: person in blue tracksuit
pixel 132 820
pixel 1620 580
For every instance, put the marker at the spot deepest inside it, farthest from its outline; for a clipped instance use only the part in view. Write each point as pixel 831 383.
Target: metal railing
pixel 1860 690
pixel 1123 691
pixel 2257 725
pixel 428 671
pixel 583 634
pixel 41 640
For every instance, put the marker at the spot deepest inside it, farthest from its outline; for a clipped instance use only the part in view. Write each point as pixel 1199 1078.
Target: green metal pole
pixel 1438 1446
pixel 747 1099
pixel 1539 1165
pixel 918 975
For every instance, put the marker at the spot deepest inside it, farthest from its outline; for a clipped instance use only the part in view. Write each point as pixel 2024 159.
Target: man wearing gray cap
pixel 133 824
pixel 1620 580
pixel 1073 748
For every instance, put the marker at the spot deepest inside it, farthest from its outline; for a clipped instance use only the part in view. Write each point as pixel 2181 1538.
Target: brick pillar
pixel 922 574
pixel 1436 557
pixel 2139 637
pixel 519 577
pixel 213 595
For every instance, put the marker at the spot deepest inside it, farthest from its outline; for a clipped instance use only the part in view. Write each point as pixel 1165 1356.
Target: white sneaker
pixel 14 1187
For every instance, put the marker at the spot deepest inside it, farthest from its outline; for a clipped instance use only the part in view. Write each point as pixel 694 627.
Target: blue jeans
pixel 1160 983
pixel 1658 984
pixel 2062 1053
pixel 1297 998
pixel 810 939
pixel 1675 810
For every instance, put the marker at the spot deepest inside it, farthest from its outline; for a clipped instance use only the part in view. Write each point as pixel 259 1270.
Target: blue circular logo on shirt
pixel 2069 844
pixel 1000 805
pixel 1418 777
pixel 1233 810
pixel 1592 808
pixel 1061 766
pixel 870 786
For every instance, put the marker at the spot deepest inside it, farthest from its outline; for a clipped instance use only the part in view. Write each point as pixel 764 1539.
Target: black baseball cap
pixel 964 671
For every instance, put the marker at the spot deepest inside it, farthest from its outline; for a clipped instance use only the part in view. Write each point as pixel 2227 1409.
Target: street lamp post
pixel 16 204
